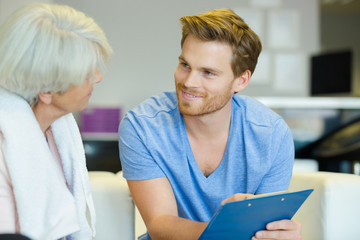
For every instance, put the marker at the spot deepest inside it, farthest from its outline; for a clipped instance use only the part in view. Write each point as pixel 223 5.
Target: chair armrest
pixel 113 206
pixel 332 211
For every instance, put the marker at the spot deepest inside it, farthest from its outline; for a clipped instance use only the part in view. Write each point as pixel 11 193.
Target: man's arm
pixel 154 198
pixel 157 205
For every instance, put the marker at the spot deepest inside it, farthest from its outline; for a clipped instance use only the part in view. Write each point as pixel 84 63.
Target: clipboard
pixel 242 219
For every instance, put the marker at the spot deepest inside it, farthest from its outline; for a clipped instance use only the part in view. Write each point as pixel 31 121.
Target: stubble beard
pixel 210 104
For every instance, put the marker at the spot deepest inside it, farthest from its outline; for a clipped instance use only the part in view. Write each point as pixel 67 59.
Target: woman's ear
pixel 242 81
pixel 45 97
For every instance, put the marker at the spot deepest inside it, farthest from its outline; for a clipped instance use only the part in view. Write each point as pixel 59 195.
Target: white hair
pixel 48 48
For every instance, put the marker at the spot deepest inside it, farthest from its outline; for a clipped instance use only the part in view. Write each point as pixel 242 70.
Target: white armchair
pixel 115 212
pixel 331 212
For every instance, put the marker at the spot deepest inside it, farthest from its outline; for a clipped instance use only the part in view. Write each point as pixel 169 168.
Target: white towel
pixel 46 207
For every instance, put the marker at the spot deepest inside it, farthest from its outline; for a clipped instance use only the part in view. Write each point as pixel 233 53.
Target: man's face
pixel 204 79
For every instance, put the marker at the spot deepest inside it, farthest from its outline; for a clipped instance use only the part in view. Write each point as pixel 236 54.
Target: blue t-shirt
pixel 259 154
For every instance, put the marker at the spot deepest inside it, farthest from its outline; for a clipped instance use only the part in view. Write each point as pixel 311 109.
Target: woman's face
pixel 76 98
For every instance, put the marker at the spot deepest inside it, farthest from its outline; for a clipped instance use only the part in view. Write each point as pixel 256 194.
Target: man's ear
pixel 45 97
pixel 242 81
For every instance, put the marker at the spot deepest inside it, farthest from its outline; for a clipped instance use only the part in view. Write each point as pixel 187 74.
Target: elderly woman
pixel 50 56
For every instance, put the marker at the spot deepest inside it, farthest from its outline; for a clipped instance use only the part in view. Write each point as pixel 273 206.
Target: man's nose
pixel 192 80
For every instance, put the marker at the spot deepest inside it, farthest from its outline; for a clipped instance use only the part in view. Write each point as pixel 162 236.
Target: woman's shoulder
pixel 4 172
pixel 8 216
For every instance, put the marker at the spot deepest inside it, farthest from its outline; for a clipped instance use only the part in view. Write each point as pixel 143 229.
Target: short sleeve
pixel 136 160
pixel 282 151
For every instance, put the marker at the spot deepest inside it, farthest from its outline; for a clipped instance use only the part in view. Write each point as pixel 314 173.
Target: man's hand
pixel 280 230
pixel 237 197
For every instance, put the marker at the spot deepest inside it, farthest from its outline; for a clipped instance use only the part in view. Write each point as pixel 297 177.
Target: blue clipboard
pixel 242 219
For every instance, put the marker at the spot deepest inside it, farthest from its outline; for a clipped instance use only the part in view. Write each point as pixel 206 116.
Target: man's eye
pixel 184 65
pixel 210 74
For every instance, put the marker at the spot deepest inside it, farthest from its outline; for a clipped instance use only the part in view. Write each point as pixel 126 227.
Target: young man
pixel 184 153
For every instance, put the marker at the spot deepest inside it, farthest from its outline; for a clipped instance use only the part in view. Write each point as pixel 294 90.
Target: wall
pixel 146 36
pixel 340 31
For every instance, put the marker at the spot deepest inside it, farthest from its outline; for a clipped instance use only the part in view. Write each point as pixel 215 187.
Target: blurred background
pixel 308 72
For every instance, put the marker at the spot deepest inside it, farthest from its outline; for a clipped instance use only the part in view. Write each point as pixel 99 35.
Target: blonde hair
pixel 48 48
pixel 224 25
